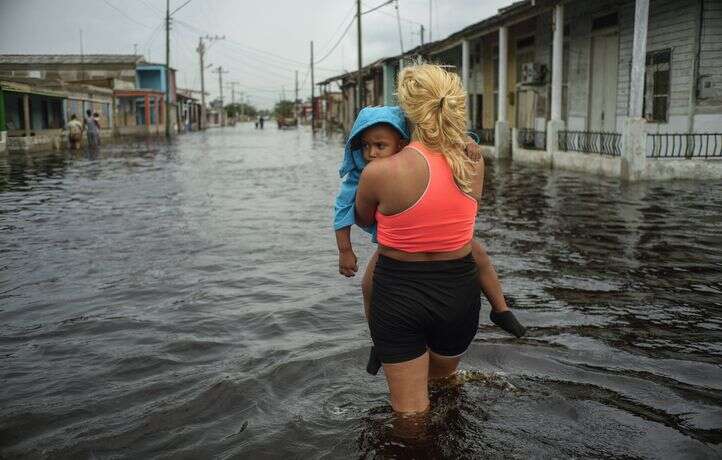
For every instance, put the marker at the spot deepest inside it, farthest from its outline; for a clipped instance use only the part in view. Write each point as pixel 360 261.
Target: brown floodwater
pixel 182 301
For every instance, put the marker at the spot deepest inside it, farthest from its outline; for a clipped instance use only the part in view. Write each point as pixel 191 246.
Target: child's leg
pixel 367 284
pixel 487 278
pixel 500 313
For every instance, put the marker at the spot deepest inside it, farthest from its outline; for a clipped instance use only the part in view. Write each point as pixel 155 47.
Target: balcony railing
pixel 591 142
pixel 531 139
pixel 695 145
pixel 486 136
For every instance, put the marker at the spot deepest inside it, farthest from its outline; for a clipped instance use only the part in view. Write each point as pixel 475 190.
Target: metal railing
pixel 694 145
pixel 591 142
pixel 486 136
pixel 531 139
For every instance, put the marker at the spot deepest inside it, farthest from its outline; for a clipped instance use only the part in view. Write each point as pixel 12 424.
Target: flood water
pixel 183 301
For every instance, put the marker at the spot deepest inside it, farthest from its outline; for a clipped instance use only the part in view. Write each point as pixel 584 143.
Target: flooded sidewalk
pixel 183 300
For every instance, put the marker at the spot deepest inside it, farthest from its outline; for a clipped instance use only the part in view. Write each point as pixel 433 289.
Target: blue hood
pixel 353 158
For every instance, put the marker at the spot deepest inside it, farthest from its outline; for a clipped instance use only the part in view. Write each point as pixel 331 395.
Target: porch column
pixel 465 77
pixel 502 141
pixel 388 84
pixel 639 56
pixel 26 114
pixel 503 64
pixel 557 62
pixel 3 129
pixel 556 124
pixel 147 111
pixel 634 153
pixel 156 110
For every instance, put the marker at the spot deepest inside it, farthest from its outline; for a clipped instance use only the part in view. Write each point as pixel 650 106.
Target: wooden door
pixel 603 91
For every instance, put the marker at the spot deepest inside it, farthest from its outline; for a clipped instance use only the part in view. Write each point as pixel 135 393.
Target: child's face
pixel 380 141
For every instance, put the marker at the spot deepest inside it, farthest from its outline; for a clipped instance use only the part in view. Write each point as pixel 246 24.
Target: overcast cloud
pixel 253 29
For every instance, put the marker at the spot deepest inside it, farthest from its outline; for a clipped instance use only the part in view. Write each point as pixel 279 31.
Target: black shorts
pixel 417 306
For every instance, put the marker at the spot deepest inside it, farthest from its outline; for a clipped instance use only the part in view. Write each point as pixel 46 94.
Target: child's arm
pixel 347 262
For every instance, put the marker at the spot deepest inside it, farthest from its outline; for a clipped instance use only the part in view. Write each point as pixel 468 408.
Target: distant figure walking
pixel 96 120
pixel 260 121
pixel 91 129
pixel 75 132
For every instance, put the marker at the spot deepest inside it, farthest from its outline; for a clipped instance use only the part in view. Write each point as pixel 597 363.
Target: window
pixel 604 22
pixel 656 86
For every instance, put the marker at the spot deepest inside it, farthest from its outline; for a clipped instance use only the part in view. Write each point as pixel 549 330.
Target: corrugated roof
pixel 37 59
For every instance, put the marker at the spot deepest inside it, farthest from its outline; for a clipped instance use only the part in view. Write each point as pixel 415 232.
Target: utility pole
pixel 295 99
pixel 243 106
pixel 135 49
pixel 313 107
pixel 359 83
pixel 430 28
pixel 82 57
pixel 233 84
pixel 398 20
pixel 167 68
pixel 201 53
pixel 220 73
pixel 422 33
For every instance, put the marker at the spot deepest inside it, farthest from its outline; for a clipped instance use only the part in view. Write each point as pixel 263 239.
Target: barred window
pixel 656 86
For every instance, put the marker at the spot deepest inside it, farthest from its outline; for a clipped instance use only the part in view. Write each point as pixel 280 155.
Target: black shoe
pixel 507 321
pixel 374 364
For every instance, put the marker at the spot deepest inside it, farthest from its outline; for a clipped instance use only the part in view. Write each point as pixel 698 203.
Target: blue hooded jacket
pixel 353 162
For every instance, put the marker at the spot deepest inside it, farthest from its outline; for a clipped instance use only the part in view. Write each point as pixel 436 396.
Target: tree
pixel 284 109
pixel 233 110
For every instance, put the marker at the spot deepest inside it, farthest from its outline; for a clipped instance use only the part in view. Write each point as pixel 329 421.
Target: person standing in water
pixel 75 132
pixel 426 298
pixel 91 129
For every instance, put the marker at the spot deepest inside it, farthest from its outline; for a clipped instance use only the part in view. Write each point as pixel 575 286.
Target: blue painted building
pixel 152 76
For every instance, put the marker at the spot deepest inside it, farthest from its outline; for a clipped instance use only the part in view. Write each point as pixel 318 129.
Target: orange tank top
pixel 441 220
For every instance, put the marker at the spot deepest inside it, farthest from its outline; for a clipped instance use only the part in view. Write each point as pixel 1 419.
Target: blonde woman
pixel 426 291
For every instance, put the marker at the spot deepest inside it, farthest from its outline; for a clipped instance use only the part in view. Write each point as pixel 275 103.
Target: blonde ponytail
pixel 435 102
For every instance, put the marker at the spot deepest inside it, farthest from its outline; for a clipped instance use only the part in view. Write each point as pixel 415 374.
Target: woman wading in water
pixel 426 291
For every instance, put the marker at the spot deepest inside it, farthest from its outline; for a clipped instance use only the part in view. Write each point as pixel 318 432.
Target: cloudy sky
pixel 265 42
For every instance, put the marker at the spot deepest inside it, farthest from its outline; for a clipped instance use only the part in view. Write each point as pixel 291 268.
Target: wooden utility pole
pixel 201 52
pixel 359 83
pixel 295 99
pixel 422 33
pixel 398 20
pixel 430 25
pixel 220 73
pixel 313 107
pixel 167 68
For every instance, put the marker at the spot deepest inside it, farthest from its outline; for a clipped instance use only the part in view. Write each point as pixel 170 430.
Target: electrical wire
pixel 343 35
pixel 125 15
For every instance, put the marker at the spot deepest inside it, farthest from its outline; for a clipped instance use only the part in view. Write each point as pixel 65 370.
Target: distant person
pixel 91 129
pixel 260 121
pixel 96 120
pixel 75 132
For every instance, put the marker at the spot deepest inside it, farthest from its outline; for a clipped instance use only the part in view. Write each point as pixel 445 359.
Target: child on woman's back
pixel 380 132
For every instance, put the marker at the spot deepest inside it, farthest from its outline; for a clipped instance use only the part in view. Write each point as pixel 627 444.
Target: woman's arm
pixel 367 199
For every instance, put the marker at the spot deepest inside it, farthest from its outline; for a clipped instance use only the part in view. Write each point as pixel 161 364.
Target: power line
pixel 343 35
pixel 175 10
pixel 125 15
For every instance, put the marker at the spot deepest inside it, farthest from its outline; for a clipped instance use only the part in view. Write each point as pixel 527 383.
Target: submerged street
pixel 183 300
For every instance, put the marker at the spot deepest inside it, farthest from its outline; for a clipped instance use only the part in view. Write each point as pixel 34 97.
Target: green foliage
pixel 284 109
pixel 236 109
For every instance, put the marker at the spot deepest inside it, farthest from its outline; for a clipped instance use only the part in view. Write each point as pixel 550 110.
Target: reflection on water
pixel 182 301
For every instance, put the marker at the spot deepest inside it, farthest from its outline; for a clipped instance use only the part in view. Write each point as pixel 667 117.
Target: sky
pixel 265 43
